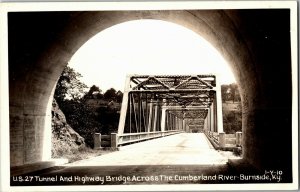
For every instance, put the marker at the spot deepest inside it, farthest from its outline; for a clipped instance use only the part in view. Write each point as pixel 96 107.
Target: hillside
pixel 64 139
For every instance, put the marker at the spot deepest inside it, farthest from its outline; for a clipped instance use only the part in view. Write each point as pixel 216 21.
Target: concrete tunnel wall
pixel 256 44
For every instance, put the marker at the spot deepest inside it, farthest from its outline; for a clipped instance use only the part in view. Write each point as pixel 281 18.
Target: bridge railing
pixel 127 138
pixel 225 141
pixel 114 140
pixel 214 136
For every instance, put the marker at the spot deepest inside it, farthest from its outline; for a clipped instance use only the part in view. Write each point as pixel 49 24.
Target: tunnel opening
pixel 137 52
pixel 239 35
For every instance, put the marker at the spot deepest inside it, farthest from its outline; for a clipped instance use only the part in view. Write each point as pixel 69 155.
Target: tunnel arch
pixel 31 90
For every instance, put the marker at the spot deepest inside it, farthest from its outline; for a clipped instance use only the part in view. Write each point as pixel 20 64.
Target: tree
pixel 235 96
pixel 94 89
pixel 69 86
pixel 94 92
pixel 232 121
pixel 119 96
pixel 224 93
pixel 110 94
pixel 230 92
pixel 68 94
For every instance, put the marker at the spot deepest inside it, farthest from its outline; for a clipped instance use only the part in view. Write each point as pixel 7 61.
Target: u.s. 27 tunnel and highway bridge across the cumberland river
pixel 160 107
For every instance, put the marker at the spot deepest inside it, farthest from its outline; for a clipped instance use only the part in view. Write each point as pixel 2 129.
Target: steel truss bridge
pixel 161 105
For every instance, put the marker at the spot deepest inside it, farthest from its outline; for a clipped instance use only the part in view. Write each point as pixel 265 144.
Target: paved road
pixel 179 149
pixel 169 160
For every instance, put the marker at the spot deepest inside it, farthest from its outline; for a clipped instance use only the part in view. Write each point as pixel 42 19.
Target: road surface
pixel 186 158
pixel 179 149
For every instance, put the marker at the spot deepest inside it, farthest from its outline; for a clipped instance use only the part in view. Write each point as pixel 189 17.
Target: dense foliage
pixel 69 86
pixel 230 93
pixel 87 118
pixel 232 110
pixel 232 118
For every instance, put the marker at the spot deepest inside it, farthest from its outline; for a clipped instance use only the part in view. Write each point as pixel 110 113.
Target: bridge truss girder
pixel 160 103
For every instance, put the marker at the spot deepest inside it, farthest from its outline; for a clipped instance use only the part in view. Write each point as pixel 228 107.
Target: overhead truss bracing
pixel 183 90
pixel 193 117
pixel 173 82
pixel 189 113
pixel 167 102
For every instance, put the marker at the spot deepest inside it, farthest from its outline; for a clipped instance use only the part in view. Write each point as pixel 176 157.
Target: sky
pixel 148 47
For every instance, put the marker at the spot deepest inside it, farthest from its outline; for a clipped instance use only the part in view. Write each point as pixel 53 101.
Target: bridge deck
pixel 173 156
pixel 180 149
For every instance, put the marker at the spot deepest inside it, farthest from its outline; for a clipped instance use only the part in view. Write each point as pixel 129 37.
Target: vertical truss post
pixel 215 116
pixel 212 124
pixel 139 112
pixel 174 122
pixel 143 115
pixel 177 123
pixel 181 124
pixel 167 125
pixel 206 122
pixel 134 114
pixel 159 113
pixel 147 113
pixel 219 107
pixel 124 107
pixel 154 128
pixel 163 116
pixel 150 116
pixel 130 113
pixel 171 121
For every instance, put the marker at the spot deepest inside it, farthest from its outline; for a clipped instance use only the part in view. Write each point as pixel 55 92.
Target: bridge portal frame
pixel 166 85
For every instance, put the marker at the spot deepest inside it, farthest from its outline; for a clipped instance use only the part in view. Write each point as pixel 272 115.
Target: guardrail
pixel 114 140
pixel 214 136
pixel 224 141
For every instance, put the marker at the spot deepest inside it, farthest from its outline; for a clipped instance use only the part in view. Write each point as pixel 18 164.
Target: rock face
pixel 64 139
